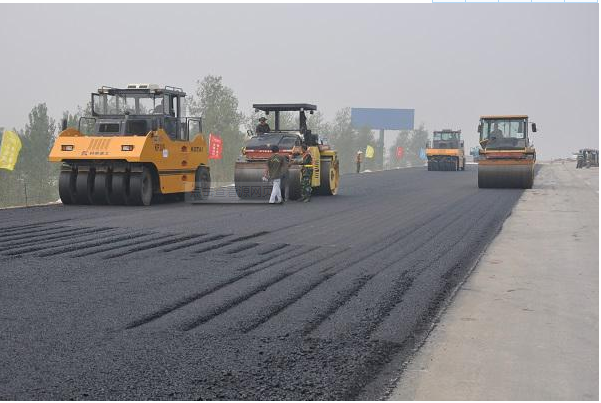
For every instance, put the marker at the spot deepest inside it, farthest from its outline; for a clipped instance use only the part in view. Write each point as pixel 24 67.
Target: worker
pixel 262 127
pixel 306 175
pixel 273 172
pixel 359 160
pixel 158 108
pixel 496 131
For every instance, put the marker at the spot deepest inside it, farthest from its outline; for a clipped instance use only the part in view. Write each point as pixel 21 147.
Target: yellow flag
pixel 369 152
pixel 9 151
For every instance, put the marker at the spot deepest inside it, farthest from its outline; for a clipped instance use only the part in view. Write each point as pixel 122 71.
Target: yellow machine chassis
pixel 174 162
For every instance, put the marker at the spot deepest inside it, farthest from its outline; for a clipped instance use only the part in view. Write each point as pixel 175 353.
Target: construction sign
pixel 9 150
pixel 215 147
pixel 399 152
pixel 369 152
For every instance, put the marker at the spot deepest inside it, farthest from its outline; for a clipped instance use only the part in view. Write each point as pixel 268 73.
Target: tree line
pixel 34 179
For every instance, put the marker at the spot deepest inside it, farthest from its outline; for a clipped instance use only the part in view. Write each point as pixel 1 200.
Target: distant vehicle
pixel 140 146
pixel 250 166
pixel 446 151
pixel 475 153
pixel 587 157
pixel 507 158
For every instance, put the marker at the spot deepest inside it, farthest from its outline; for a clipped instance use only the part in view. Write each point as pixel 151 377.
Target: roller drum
pixel 248 180
pixel 520 176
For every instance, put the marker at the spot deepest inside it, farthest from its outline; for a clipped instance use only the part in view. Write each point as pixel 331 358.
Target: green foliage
pixel 347 141
pixel 34 178
pixel 218 107
pixel 412 142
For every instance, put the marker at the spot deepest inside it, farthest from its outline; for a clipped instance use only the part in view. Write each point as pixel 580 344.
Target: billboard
pixel 382 118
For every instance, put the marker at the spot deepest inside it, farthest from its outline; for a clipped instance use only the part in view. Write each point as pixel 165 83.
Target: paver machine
pixel 446 151
pixel 136 146
pixel 507 157
pixel 250 167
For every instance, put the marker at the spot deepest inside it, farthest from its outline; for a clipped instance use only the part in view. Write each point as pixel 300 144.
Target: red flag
pixel 215 147
pixel 399 152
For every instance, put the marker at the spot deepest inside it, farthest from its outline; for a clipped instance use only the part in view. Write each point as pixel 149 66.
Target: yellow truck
pixel 446 152
pixel 136 146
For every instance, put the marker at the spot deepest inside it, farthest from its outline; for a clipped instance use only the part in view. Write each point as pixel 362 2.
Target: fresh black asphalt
pixel 235 300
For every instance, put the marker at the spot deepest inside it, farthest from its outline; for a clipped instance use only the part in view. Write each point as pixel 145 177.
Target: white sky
pixel 451 62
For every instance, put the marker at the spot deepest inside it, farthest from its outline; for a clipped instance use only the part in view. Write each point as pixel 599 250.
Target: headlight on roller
pixel 127 147
pixel 67 147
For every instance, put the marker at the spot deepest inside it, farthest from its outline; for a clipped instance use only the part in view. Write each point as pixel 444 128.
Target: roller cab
pixel 446 151
pixel 135 147
pixel 507 157
pixel 250 167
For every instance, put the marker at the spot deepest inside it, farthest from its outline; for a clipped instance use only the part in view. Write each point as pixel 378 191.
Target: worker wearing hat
pixel 359 160
pixel 262 127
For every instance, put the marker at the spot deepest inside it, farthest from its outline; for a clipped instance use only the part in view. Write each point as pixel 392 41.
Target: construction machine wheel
pixel 140 188
pixel 329 177
pixel 248 180
pixel 84 186
pixel 102 187
pixel 119 188
pixel 520 176
pixel 294 183
pixel 202 183
pixel 66 186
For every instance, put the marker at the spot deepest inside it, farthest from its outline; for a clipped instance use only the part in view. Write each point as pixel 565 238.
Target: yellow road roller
pixel 250 167
pixel 446 152
pixel 507 156
pixel 134 148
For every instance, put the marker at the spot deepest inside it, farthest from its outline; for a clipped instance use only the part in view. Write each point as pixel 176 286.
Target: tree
pixel 39 174
pixel 33 174
pixel 412 141
pixel 218 107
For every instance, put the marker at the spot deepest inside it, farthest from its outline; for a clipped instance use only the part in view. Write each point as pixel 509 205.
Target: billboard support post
pixel 381 149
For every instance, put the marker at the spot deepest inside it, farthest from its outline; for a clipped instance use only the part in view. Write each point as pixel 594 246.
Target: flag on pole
pixel 369 152
pixel 215 147
pixel 9 150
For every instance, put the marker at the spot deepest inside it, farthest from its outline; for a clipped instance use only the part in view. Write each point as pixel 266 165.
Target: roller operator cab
pixel 446 151
pixel 250 167
pixel 507 156
pixel 136 146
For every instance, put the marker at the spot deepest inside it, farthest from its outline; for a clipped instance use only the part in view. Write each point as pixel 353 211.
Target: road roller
pixel 507 156
pixel 250 166
pixel 134 148
pixel 446 152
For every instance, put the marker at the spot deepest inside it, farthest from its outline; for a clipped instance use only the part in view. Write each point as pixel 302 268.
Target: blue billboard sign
pixel 383 118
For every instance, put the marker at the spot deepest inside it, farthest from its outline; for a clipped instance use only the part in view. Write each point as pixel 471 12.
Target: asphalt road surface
pixel 319 300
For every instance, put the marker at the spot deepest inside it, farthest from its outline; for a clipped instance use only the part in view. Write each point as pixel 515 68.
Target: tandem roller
pixel 250 167
pixel 507 156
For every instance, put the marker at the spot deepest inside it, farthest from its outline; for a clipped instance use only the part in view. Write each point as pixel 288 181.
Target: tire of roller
pixel 140 188
pixel 84 186
pixel 102 187
pixel 66 187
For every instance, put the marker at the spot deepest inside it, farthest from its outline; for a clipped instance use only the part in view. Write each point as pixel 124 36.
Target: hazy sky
pixel 451 62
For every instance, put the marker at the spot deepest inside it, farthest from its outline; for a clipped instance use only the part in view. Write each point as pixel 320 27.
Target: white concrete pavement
pixel 525 325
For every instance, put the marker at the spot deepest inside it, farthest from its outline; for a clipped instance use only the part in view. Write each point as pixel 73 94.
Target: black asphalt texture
pixel 237 301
